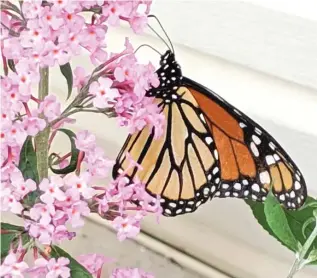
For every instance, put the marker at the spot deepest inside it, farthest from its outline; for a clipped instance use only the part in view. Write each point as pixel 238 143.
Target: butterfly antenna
pixel 159 36
pixel 165 33
pixel 142 45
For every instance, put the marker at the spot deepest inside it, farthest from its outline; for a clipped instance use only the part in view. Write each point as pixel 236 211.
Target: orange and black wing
pixel 178 165
pixel 251 161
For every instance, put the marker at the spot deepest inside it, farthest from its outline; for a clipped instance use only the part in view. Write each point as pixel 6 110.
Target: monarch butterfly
pixel 209 149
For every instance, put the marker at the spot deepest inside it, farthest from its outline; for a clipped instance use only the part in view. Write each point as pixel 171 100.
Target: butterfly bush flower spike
pixel 36 35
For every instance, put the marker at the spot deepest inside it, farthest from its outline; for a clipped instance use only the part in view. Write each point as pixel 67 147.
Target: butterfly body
pixel 209 149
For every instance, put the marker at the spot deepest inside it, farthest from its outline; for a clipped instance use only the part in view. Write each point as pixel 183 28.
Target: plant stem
pixel 299 262
pixel 41 140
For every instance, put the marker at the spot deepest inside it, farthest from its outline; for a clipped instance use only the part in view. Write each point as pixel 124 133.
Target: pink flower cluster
pixel 39 34
pixel 124 87
pixel 12 266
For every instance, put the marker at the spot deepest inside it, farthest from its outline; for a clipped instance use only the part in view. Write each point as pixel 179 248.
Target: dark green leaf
pixel 277 220
pixel 68 74
pixel 296 220
pixel 10 236
pixel 76 269
pixel 11 65
pixel 74 157
pixel 28 167
pixel 28 161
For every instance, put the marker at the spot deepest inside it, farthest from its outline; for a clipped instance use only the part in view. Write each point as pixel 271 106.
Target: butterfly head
pixel 169 73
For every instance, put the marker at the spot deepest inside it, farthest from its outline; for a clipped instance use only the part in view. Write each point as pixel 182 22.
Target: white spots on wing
pixel 299 200
pixel 168 211
pixel 227 194
pixel 173 78
pixel 245 182
pixel 256 139
pixel 174 96
pixel 172 71
pixel 258 131
pixel 269 160
pixel 297 177
pixel 292 194
pixel 162 200
pixel 206 191
pixel 255 187
pixel 162 73
pixel 297 185
pixel 293 205
pixel 282 197
pixel 276 157
pixel 235 194
pixel 191 203
pixel 198 203
pixel 242 125
pixel 167 101
pixel 217 193
pixel 217 180
pixel 246 193
pixel 213 189
pixel 181 202
pixel 178 211
pixel 225 185
pixel 254 197
pixel 254 149
pixel 172 205
pixel 216 154
pixel 188 209
pixel 201 116
pixel 166 66
pixel 215 171
pixel 237 186
pixel 208 140
pixel 272 146
pixel 265 177
pixel 288 204
pixel 263 198
pixel 209 177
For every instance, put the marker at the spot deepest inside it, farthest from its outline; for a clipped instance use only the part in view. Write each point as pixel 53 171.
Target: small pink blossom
pixel 50 107
pixel 21 187
pixel 58 268
pixel 85 141
pixel 12 268
pixel 42 213
pixel 130 272
pixel 43 233
pixel 93 262
pixel 126 227
pixel 113 11
pixel 9 202
pixel 80 77
pixel 49 17
pixel 33 125
pixel 52 190
pixel 104 94
pixel 80 183
pixel 39 269
pixel 76 213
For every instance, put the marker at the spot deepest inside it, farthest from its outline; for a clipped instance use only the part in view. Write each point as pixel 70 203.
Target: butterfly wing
pixel 176 166
pixel 251 161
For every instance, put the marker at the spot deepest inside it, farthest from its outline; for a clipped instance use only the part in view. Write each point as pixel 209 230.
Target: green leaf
pixel 10 236
pixel 74 157
pixel 28 167
pixel 68 74
pixel 296 220
pixel 277 221
pixel 28 161
pixel 11 65
pixel 76 269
